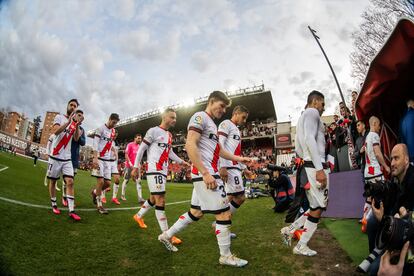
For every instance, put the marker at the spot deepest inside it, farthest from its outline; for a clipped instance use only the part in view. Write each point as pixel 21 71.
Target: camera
pixel 380 191
pixel 395 232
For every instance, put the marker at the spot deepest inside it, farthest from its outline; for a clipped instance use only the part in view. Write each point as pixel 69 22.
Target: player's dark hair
pixel 169 109
pixel 219 96
pixel 114 116
pixel 240 109
pixel 75 101
pixel 78 111
pixel 137 135
pixel 315 95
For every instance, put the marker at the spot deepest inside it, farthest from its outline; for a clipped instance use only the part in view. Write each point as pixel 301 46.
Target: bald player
pixel 374 158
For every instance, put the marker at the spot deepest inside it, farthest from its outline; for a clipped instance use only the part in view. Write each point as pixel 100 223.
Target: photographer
pixel 281 188
pixel 401 196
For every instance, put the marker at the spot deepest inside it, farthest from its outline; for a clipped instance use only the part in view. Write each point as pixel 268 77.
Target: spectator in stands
pixel 359 150
pixel 402 196
pixel 407 129
pixel 354 96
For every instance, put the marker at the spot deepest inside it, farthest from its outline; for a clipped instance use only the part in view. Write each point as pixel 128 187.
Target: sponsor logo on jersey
pixel 213 137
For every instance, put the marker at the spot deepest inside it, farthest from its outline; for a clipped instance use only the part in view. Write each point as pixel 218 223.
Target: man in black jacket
pixel 403 196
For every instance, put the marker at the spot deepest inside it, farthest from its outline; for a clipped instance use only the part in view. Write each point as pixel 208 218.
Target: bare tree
pixel 378 22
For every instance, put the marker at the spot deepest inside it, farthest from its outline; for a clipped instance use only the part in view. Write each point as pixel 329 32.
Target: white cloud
pixel 125 57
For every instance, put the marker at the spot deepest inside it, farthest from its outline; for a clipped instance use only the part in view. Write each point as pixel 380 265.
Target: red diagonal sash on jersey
pixel 108 145
pixel 66 138
pixel 216 156
pixel 165 155
pixel 237 152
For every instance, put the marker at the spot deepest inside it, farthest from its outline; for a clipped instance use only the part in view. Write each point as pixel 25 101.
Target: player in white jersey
pixel 374 158
pixel 209 195
pixel 157 142
pixel 65 128
pixel 310 146
pixel 114 173
pixel 231 171
pixel 102 163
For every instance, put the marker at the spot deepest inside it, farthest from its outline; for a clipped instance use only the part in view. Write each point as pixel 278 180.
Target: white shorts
pixel 57 168
pixel 104 170
pixel 209 201
pixel 234 185
pixel 114 167
pixel 156 183
pixel 318 198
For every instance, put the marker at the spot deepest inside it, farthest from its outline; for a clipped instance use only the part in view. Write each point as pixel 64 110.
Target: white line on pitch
pixel 79 209
pixel 3 169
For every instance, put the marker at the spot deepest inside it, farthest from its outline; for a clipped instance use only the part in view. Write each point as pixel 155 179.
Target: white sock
pixel 298 223
pixel 124 184
pixel 233 207
pixel 145 208
pixel 223 237
pixel 103 193
pixel 161 217
pixel 53 201
pixel 310 227
pixel 183 221
pixel 71 203
pixel 115 191
pixel 98 201
pixel 139 189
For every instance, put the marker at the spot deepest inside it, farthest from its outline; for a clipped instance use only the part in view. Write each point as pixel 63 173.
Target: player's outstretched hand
pixel 210 181
pixel 245 160
pixel 224 174
pixel 71 116
pixel 388 269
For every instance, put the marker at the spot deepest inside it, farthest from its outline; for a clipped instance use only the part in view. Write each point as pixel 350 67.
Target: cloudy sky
pixel 130 56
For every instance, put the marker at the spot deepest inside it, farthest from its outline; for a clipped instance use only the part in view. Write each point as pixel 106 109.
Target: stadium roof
pixel 258 100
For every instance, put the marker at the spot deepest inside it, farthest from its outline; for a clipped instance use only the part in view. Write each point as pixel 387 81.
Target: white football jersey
pixel 61 144
pixel 116 149
pixel 159 143
pixel 310 125
pixel 372 167
pixel 230 140
pixel 208 146
pixel 104 138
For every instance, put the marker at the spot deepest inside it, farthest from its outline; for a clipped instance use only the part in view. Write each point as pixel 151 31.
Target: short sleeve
pixel 149 137
pixel 98 132
pixel 196 123
pixel 376 140
pixel 224 129
pixel 58 120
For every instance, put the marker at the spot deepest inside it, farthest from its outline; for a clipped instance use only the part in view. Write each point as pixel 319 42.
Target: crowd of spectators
pixel 258 129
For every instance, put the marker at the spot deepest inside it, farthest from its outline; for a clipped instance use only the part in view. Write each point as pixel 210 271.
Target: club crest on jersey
pixel 198 120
